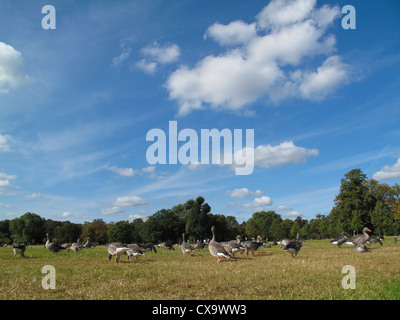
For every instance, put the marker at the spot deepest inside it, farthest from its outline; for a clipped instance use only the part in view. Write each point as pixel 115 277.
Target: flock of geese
pixel 219 250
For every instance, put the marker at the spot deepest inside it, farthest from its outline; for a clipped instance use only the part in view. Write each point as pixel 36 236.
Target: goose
pixel 374 240
pixel 167 245
pixel 359 239
pixel 185 247
pixel 396 239
pixel 19 248
pixel 217 249
pixel 134 251
pixel 75 247
pixel 339 240
pixel 53 247
pixel 252 246
pixel 116 251
pixel 234 245
pixel 294 246
pixel 360 248
pixel 149 246
pixel 200 245
pixel 284 243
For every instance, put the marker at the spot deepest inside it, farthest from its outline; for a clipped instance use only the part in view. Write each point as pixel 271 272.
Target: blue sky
pixel 77 102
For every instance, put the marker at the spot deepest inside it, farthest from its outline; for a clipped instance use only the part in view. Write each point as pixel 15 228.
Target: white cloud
pixel 116 61
pixel 123 202
pixel 284 12
pixel 388 172
pixel 243 193
pixel 268 60
pixel 126 172
pixel 258 203
pixel 11 63
pixel 5 181
pixel 130 201
pixel 235 33
pixel 293 214
pixel 332 74
pixel 266 156
pixel 36 195
pixel 4 139
pixel 156 55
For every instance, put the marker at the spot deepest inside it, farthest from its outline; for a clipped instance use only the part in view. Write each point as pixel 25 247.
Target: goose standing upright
pixel 53 247
pixel 185 247
pixel 235 245
pixel 294 246
pixel 359 239
pixel 217 249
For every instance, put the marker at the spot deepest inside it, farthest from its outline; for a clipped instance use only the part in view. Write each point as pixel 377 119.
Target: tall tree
pixel 353 204
pixel 198 220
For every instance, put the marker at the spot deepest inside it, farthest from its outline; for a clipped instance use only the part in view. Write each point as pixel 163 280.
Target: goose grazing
pixel 134 251
pixel 19 248
pixel 217 249
pixel 200 245
pixel 252 246
pixel 53 247
pixel 339 240
pixel 149 246
pixel 284 243
pixel 185 247
pixel 294 246
pixel 116 251
pixel 359 239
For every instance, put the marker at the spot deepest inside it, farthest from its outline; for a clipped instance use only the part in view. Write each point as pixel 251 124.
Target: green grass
pixel 273 274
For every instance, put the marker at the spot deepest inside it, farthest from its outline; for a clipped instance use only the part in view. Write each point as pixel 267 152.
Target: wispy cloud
pixel 156 55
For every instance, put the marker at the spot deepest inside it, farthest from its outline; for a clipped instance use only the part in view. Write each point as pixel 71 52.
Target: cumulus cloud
pixel 388 172
pixel 266 156
pixel 11 65
pixel 259 202
pixel 243 193
pixel 5 183
pixel 156 55
pixel 271 58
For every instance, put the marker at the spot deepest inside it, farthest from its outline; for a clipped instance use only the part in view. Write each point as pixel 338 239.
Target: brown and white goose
pixel 359 239
pixel 75 247
pixel 186 247
pixel 234 245
pixel 134 251
pixel 339 240
pixel 252 246
pixel 116 251
pixel 217 249
pixel 53 247
pixel 294 246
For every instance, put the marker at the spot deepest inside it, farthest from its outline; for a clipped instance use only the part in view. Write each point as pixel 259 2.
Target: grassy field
pixel 168 275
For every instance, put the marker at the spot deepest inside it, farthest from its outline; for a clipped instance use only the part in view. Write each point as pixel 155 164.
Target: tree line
pixel 361 202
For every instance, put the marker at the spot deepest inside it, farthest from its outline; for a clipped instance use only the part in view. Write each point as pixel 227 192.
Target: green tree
pixel 96 231
pixel 260 224
pixel 353 204
pixel 120 231
pixel 198 221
